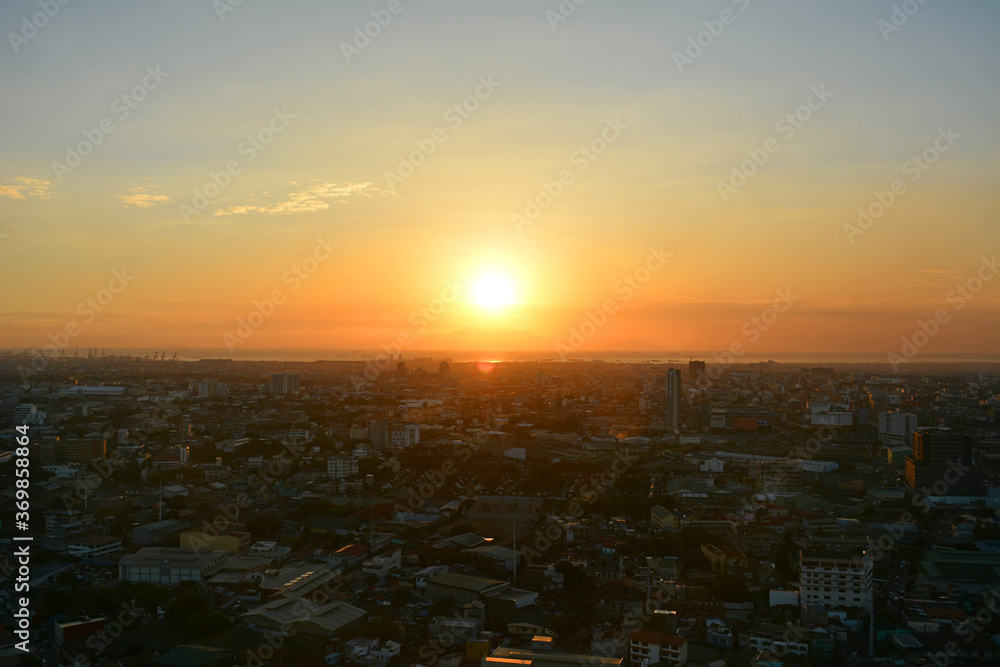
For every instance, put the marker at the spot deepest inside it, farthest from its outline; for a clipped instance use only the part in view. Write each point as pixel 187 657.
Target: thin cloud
pixel 310 199
pixel 23 187
pixel 141 196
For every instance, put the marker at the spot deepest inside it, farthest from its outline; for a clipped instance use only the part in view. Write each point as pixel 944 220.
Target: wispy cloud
pixel 310 198
pixel 23 187
pixel 141 196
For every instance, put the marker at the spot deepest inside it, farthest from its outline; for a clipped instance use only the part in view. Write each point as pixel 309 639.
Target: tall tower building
pixel 285 383
pixel 896 428
pixel 673 399
pixel 696 370
pixel 942 462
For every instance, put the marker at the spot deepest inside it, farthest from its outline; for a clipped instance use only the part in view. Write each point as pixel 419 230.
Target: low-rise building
pixel 93 546
pixel 506 656
pixel 301 617
pixel 663 518
pixel 169 566
pixel 233 542
pixel 501 557
pixel 269 551
pixel 380 566
pixel 461 588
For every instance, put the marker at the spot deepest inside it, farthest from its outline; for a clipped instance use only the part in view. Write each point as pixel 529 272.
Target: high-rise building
pixel 393 434
pixel 696 370
pixel 444 369
pixel 942 461
pixel 341 467
pixel 81 450
pixel 207 388
pixel 896 428
pixel 285 383
pixel 377 433
pixel 673 399
pixel 836 579
pixel 779 475
pixel 404 435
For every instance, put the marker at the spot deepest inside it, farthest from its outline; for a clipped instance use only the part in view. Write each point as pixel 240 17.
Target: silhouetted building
pixel 942 461
pixel 284 383
pixel 673 399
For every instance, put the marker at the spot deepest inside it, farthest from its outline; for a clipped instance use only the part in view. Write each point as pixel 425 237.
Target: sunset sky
pixel 342 119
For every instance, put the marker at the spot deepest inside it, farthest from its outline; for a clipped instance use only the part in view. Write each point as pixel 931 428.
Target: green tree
pixel 573 576
pixel 205 623
pixel 183 608
pixel 384 628
pixel 440 607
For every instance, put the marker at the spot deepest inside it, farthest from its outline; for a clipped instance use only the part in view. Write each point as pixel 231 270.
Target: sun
pixel 493 292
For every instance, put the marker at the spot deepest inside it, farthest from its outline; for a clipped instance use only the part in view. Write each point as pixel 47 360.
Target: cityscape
pixel 224 512
pixel 533 333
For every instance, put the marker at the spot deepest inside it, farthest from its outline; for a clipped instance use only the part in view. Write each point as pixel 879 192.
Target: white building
pixel 836 580
pixel 647 647
pixel 269 551
pixel 830 414
pixel 778 598
pixel 403 434
pixel 896 428
pixel 712 465
pixel 383 565
pixel 93 546
pixel 341 467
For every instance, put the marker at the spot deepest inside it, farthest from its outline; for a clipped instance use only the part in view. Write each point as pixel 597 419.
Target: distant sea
pixel 611 356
